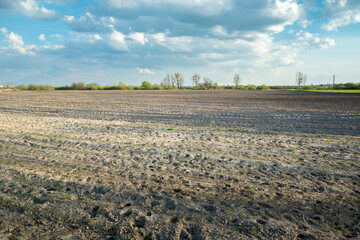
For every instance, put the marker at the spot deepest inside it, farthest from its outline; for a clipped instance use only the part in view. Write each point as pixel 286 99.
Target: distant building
pixel 1 86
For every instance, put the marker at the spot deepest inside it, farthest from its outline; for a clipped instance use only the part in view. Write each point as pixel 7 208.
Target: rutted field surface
pixel 179 165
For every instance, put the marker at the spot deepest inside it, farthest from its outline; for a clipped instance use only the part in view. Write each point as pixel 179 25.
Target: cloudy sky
pixel 107 41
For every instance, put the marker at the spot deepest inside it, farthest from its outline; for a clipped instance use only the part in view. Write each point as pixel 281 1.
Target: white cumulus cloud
pixel 94 38
pixel 16 43
pixel 348 17
pixel 30 8
pixel 138 37
pixel 189 17
pixel 42 37
pixel 117 40
pixel 144 71
pixel 89 23
pixel 341 13
pixel 159 38
pixel 311 40
pixel 304 23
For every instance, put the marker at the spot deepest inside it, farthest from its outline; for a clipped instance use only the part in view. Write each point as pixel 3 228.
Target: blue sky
pixel 107 41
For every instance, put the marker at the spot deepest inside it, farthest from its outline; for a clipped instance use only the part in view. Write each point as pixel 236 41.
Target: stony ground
pixel 179 165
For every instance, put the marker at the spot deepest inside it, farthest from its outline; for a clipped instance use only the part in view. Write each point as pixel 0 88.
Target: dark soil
pixel 179 165
pixel 266 110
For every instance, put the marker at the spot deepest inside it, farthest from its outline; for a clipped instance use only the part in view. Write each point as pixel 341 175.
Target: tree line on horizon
pixel 176 81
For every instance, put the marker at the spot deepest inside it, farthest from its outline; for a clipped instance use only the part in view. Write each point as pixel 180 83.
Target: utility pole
pixel 334 81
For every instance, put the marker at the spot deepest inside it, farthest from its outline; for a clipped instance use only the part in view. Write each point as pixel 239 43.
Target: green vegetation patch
pixel 335 91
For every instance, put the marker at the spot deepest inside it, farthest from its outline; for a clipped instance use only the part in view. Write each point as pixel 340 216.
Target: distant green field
pixel 334 91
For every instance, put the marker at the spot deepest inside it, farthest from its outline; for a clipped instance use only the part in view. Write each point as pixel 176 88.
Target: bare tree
pixel 166 82
pixel 196 79
pixel 173 81
pixel 207 82
pixel 300 78
pixel 179 80
pixel 237 80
